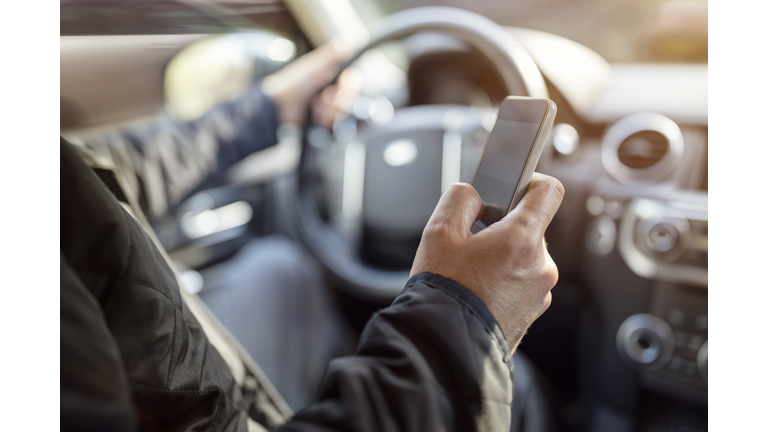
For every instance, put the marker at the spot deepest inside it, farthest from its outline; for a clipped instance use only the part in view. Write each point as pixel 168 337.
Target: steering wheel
pixel 395 172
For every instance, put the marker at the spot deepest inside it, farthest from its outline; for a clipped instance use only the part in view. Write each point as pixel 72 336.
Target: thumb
pixel 458 209
pixel 539 205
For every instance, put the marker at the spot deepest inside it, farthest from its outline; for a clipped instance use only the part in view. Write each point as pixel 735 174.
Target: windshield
pixel 628 31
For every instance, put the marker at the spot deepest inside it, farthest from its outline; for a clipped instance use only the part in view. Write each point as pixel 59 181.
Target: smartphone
pixel 511 153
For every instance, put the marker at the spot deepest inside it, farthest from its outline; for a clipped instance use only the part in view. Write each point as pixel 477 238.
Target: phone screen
pixel 506 152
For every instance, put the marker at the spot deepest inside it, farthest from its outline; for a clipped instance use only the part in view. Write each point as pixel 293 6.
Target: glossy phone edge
pixel 538 147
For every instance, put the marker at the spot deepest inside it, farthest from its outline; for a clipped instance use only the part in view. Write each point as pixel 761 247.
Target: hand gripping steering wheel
pixel 387 203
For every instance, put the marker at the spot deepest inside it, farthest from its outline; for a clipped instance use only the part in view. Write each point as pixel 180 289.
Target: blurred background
pixel 647 31
pixel 267 37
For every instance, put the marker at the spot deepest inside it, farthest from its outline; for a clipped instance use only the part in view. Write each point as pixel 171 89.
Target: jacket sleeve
pixel 167 160
pixel 435 360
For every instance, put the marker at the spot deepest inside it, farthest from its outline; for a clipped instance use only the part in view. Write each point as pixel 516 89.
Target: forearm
pixel 166 161
pixel 435 360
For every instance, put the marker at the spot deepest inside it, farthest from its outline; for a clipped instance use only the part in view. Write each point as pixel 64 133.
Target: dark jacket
pixel 134 356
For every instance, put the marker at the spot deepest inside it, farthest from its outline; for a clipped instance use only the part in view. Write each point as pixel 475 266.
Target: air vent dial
pixel 642 148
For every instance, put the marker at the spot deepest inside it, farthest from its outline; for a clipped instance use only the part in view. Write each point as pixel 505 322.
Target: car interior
pixel 623 347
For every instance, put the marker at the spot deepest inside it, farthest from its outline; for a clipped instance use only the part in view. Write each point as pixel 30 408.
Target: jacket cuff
pixel 467 298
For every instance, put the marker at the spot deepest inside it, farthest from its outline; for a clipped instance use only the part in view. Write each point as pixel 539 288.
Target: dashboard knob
pixel 663 238
pixel 601 236
pixel 645 341
pixel 701 361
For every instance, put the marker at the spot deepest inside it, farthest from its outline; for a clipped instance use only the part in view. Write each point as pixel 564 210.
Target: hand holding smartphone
pixel 511 153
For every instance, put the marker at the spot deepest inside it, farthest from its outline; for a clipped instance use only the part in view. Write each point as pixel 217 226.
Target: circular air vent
pixel 642 148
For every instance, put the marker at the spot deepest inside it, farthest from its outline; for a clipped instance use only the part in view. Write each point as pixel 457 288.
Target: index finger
pixel 459 207
pixel 539 205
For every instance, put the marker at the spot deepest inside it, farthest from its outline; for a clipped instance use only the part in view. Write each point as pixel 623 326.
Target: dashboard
pixel 631 236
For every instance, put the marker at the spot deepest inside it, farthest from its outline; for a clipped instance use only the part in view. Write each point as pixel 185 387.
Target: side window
pixel 243 41
pixel 221 68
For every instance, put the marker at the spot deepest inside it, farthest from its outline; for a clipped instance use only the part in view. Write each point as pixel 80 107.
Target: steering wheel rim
pixel 516 68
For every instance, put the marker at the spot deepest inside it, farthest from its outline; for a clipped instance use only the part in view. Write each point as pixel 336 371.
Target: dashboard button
pixel 645 341
pixel 595 205
pixel 601 236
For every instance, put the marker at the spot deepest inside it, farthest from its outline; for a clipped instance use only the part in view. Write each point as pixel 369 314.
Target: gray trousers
pixel 272 297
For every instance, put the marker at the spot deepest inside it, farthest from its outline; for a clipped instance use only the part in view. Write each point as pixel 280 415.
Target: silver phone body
pixel 511 153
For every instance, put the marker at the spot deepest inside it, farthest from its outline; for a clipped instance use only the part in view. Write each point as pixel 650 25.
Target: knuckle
pixel 435 231
pixel 559 189
pixel 460 190
pixel 523 224
pixel 463 187
pixel 555 187
pixel 550 185
pixel 549 275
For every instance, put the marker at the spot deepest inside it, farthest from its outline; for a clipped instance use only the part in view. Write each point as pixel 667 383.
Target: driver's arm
pixel 167 160
pixel 439 358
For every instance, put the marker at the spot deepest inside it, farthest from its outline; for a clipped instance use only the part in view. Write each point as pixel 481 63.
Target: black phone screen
pixel 503 161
